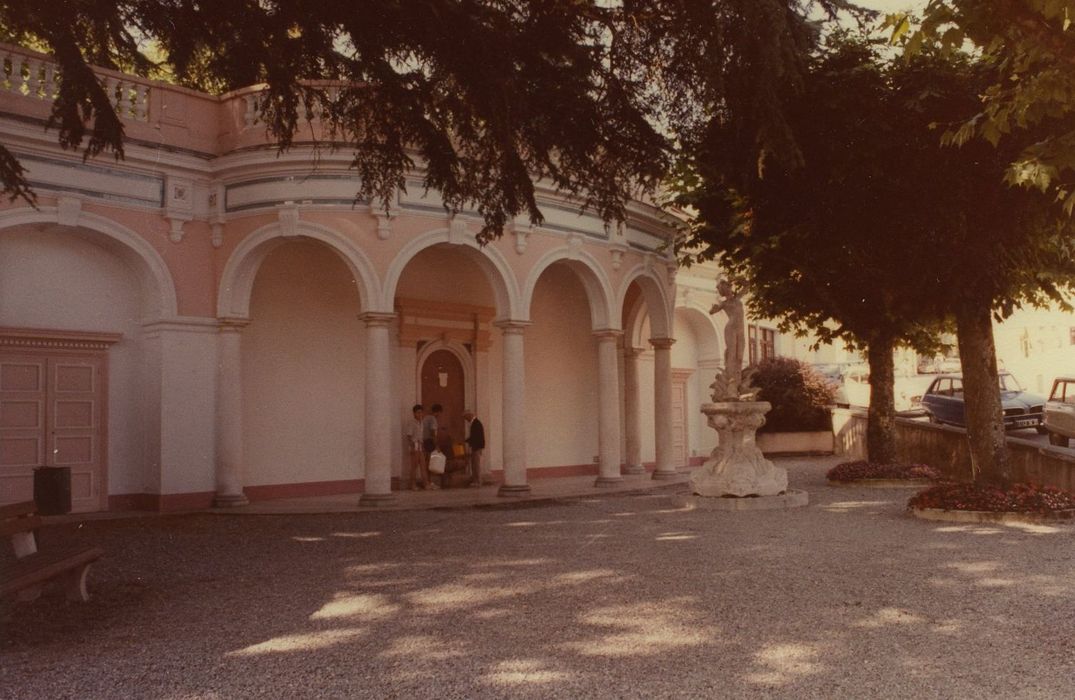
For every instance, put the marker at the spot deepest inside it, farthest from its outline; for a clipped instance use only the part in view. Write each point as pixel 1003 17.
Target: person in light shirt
pixel 418 473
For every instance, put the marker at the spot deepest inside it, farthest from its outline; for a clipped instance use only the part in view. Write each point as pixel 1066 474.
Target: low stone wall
pixel 849 432
pixel 946 448
pixel 802 443
pixel 940 446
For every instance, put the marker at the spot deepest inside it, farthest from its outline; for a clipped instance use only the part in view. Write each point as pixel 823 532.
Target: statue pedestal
pixel 736 466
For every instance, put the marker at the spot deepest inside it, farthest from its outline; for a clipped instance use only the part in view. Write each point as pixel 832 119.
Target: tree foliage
pixel 484 96
pixel 800 397
pixel 882 233
pixel 1030 44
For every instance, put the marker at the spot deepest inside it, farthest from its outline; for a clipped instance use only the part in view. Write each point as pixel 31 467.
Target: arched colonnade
pixel 512 293
pixel 644 286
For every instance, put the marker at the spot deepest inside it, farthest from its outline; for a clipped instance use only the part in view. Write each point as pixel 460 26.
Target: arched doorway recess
pixel 443 381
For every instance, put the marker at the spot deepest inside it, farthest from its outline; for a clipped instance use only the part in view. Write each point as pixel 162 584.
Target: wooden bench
pixel 25 577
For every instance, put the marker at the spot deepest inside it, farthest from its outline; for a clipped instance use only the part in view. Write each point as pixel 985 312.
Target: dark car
pixel 944 403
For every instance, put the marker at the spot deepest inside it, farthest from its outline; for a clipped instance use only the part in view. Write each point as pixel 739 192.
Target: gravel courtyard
pixel 616 596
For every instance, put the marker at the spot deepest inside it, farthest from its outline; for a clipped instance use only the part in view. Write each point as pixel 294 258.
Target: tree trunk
pixel 881 419
pixel 981 395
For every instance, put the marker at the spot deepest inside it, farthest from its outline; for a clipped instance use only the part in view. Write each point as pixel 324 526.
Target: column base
pixel 660 475
pixel 633 469
pixel 608 481
pixel 521 491
pixel 374 500
pixel 230 500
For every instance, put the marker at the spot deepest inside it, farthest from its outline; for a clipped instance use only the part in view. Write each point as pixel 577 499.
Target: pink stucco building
pixel 209 320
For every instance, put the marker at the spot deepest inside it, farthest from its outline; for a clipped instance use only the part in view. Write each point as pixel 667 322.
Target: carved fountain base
pixel 737 469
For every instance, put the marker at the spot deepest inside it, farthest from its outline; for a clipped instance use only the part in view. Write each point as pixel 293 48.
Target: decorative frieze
pixel 384 223
pixel 68 211
pixel 38 338
pixel 457 230
pixel 178 205
pixel 288 215
pixel 216 214
pixel 521 231
pixel 617 236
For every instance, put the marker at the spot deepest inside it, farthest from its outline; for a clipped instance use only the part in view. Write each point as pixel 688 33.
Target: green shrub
pixel 800 396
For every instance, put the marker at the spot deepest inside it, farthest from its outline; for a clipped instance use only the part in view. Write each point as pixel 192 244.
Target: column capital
pixel 662 343
pixel 630 351
pixel 376 318
pixel 232 324
pixel 608 334
pixel 511 326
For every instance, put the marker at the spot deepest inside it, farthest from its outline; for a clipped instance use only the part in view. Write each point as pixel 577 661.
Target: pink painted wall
pixel 55 279
pixel 303 370
pixel 561 373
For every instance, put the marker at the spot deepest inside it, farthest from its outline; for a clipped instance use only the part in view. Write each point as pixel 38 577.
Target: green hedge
pixel 800 396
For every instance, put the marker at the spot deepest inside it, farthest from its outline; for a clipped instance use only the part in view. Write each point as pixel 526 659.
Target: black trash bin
pixel 52 490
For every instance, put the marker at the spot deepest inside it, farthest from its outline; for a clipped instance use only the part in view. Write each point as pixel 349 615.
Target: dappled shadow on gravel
pixel 635 595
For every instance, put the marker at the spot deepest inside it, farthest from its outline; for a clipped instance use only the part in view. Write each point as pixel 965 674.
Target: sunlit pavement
pixel 623 595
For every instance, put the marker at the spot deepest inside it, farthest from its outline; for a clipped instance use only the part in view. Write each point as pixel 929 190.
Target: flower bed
pixel 1018 498
pixel 863 470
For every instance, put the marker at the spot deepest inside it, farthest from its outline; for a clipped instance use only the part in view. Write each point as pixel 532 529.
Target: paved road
pixel 640 596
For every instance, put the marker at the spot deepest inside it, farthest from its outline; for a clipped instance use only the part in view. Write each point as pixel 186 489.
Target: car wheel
pixel 1042 430
pixel 1057 440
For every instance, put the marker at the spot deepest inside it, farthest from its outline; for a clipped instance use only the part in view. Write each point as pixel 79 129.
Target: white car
pixel 1059 418
pixel 854 390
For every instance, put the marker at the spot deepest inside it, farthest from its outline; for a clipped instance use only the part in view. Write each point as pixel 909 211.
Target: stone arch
pixel 655 296
pixel 593 278
pixel 635 318
pixel 705 331
pixel 490 260
pixel 466 360
pixel 152 271
pixel 237 281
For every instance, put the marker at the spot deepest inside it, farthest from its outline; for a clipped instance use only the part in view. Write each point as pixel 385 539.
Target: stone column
pixel 229 415
pixel 662 406
pixel 514 410
pixel 632 409
pixel 608 409
pixel 378 488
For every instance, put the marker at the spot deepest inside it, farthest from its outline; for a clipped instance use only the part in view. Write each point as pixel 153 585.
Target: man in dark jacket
pixel 476 443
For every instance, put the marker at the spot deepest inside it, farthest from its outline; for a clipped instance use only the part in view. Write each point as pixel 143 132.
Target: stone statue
pixel 731 384
pixel 736 467
pixel 734 339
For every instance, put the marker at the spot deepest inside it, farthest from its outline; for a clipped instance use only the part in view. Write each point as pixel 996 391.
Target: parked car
pixel 943 402
pixel 1059 417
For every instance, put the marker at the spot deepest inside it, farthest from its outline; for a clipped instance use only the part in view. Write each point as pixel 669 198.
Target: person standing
pixel 476 444
pixel 430 435
pixel 418 471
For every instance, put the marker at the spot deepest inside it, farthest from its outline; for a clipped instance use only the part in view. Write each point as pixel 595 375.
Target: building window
pixel 1071 335
pixel 761 343
pixel 768 343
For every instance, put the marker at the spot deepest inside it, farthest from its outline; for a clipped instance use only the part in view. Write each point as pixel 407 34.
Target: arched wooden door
pixel 443 383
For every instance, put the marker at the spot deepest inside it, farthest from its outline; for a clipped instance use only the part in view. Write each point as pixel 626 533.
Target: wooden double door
pixel 53 413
